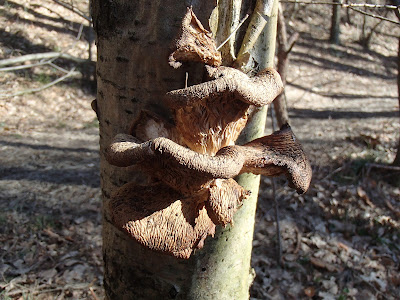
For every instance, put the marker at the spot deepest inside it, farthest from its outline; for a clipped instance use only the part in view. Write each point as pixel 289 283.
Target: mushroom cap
pixel 195 43
pixel 279 153
pixel 161 219
pixel 259 90
pixel 225 198
pixel 211 115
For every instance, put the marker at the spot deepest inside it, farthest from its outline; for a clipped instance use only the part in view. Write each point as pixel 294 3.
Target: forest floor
pixel 340 240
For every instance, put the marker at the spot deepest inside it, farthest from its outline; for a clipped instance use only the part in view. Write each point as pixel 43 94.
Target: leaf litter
pixel 338 241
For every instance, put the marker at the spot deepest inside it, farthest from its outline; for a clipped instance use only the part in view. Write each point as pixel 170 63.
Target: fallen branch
pixel 39 56
pixel 380 166
pixel 21 67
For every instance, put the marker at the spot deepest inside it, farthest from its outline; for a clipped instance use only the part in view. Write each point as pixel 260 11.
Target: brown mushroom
pixel 195 43
pixel 188 171
pixel 195 190
pixel 211 115
pixel 225 197
pixel 161 219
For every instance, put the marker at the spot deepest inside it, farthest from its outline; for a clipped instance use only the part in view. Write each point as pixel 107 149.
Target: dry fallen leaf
pixel 309 291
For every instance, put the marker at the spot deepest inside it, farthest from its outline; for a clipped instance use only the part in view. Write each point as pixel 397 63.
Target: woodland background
pixel 338 241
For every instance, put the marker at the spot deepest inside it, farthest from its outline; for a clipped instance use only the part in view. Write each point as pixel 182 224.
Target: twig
pixel 278 227
pixel 58 67
pixel 233 32
pixel 38 56
pixel 47 289
pixel 390 206
pixel 379 166
pixel 79 35
pixel 276 206
pixel 353 7
pixel 73 9
pixel 334 172
pixel 298 238
pixel 374 16
pixel 21 67
pixel 345 5
pixel 29 91
pixel 93 293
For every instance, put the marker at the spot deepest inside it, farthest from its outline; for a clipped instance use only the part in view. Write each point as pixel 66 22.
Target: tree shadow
pixel 72 29
pixel 340 95
pixel 18 43
pixel 322 46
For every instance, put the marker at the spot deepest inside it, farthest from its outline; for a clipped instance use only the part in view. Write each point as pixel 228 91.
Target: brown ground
pixel 338 241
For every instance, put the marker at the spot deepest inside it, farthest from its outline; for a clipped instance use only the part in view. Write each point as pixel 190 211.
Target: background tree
pixel 284 46
pixel 133 41
pixel 335 23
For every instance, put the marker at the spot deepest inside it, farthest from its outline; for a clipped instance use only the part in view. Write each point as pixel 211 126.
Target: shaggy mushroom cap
pixel 195 43
pixel 195 190
pixel 212 114
pixel 161 219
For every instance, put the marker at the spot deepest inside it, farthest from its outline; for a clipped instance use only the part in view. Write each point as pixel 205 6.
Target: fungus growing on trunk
pixel 192 161
pixel 195 191
pixel 195 43
pixel 218 110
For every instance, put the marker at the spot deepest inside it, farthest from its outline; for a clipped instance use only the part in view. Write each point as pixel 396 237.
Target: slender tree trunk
pixel 133 41
pixel 396 161
pixel 335 25
pixel 285 45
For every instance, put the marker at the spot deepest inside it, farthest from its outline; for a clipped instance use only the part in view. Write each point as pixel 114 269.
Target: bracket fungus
pixel 193 161
pixel 195 43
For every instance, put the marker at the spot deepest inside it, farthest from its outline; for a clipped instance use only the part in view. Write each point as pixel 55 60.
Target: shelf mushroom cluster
pixel 194 161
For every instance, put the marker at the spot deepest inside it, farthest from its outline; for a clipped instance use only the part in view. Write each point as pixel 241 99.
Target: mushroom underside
pixel 163 220
pixel 194 190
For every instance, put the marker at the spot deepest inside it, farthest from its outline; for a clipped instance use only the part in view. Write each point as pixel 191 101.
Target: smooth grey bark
pixel 134 40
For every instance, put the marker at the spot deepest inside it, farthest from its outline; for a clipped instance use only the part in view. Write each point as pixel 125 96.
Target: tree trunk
pixel 285 45
pixel 335 25
pixel 396 161
pixel 133 41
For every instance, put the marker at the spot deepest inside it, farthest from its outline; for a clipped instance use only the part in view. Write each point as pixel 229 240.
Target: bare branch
pixel 39 56
pixel 353 7
pixel 345 5
pixel 21 67
pixel 374 16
